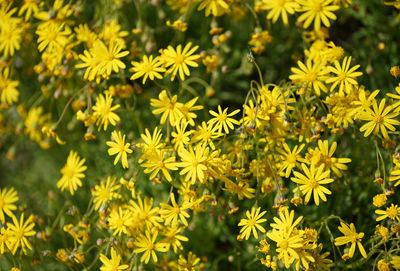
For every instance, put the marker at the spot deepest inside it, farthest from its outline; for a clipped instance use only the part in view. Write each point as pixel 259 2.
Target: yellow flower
pixel 120 220
pixel 148 67
pixel 112 264
pixel 72 173
pixel 147 244
pixel 206 134
pixel 395 262
pixel 9 93
pixel 350 236
pixel 379 200
pixel 18 232
pixel 145 214
pixel 323 156
pixel 317 11
pixel 178 25
pixel 7 198
pixel 285 221
pixel 192 262
pixel 193 163
pixel 120 148
pixel 311 182
pixel 10 36
pixel 279 8
pixel 101 60
pixel 105 192
pixel 103 111
pixel 241 189
pixel 112 31
pixel 187 108
pixel 395 176
pixel 310 75
pixel 222 119
pixel 34 122
pixel 251 224
pixel 175 213
pixel 379 119
pixel 52 35
pixel 382 231
pixel 84 34
pixel 30 7
pixel 345 76
pixel 215 7
pixel 211 62
pixel 151 143
pixel 178 60
pixel 181 137
pixel 287 243
pixel 156 162
pixel 391 212
pixel 172 237
pixel 290 159
pixel 168 107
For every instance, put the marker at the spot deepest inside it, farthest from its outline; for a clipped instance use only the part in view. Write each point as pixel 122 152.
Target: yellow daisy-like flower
pixel 345 76
pixel 105 192
pixel 178 60
pixel 8 88
pixel 52 35
pixel 112 264
pixel 279 8
pixel 391 212
pixel 215 7
pixel 101 60
pixel 147 244
pixel 148 68
pixel 290 158
pixel 72 173
pixel 169 108
pixel 30 7
pixel 323 155
pixel 381 118
pixel 181 137
pixel 288 244
pixel 350 236
pixel 395 176
pixel 17 233
pixel 151 143
pixel 317 11
pixel 310 75
pixel 311 182
pixel 285 222
pixel 120 220
pixel 10 36
pixel 175 213
pixel 193 163
pixel 156 163
pixel 222 119
pixel 7 198
pixel 103 111
pixel 251 223
pixel 119 147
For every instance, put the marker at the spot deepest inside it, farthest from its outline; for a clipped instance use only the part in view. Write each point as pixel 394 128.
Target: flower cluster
pixel 146 135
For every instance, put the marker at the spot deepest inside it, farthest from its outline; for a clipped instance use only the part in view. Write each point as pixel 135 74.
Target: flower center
pixel 379 119
pixel 313 183
pixel 179 59
pixel 317 7
pixel 120 223
pixel 311 77
pixel 284 244
pixel 392 212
